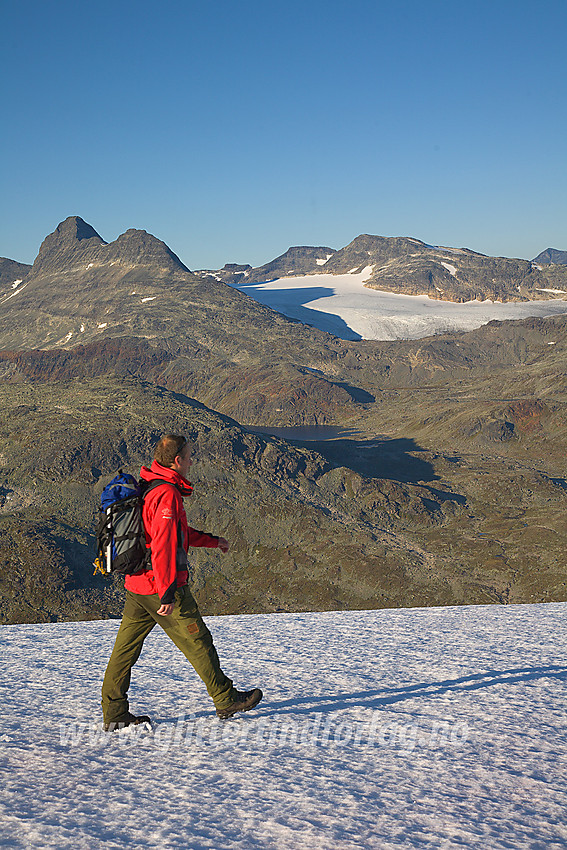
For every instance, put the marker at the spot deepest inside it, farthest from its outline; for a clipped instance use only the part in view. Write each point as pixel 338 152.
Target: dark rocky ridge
pixel 295 261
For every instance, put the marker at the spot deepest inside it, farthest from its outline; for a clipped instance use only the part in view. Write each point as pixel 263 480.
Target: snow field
pixel 342 305
pixel 441 727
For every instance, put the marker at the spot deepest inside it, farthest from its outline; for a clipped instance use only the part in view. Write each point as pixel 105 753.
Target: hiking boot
pixel 130 720
pixel 244 701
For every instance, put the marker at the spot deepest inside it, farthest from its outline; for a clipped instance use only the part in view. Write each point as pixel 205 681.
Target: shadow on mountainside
pixel 378 458
pixel 388 696
pixel 291 303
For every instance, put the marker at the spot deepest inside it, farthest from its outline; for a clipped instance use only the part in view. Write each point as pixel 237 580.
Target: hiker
pixel 159 594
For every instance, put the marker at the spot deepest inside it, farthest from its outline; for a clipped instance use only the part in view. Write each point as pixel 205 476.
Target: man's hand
pixel 223 545
pixel 165 610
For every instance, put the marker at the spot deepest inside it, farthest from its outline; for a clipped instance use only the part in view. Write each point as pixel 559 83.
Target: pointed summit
pixel 74 227
pixel 72 240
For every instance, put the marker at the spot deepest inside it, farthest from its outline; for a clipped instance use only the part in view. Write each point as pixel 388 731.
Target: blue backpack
pixel 121 541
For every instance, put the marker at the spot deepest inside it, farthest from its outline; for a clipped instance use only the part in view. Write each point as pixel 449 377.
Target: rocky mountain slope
pixel 212 340
pixel 306 532
pixel 443 497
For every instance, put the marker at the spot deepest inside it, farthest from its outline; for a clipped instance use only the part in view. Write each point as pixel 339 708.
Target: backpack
pixel 121 541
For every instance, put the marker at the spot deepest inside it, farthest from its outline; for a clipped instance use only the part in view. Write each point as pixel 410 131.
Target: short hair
pixel 169 447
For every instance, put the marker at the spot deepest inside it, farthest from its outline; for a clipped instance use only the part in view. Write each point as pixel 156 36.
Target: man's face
pixel 182 463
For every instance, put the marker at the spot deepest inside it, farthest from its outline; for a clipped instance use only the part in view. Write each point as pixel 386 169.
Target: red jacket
pixel 167 534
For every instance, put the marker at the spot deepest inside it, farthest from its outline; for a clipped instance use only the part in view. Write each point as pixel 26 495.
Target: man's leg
pixel 136 625
pixel 189 633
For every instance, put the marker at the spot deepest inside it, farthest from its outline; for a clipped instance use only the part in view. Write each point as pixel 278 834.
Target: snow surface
pixel 416 728
pixel 342 305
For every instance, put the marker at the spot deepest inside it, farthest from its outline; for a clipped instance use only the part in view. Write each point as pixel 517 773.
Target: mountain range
pixel 450 487
pixel 411 267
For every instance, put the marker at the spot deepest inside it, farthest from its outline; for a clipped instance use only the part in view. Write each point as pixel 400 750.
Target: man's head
pixel 174 451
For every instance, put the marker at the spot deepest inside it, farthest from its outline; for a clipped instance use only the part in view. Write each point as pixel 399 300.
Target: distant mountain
pixel 551 255
pixel 295 261
pixel 410 266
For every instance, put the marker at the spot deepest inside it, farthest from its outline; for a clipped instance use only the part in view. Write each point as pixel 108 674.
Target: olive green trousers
pixel 188 632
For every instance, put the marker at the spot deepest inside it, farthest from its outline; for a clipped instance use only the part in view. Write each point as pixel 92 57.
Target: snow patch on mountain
pixel 322 262
pixel 450 268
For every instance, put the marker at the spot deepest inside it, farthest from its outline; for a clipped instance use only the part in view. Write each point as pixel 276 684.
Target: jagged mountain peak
pixel 298 260
pixel 76 227
pixel 301 259
pixel 68 233
pixel 72 239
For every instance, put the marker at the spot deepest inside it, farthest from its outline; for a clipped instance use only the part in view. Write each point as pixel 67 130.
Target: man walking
pixel 159 594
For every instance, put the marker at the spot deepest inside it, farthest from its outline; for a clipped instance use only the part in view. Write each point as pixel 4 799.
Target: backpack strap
pixel 146 487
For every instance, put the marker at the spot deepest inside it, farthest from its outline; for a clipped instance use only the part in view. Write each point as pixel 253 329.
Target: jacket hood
pixel 165 473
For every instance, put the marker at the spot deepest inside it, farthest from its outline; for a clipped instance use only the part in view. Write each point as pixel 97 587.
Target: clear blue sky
pixel 232 130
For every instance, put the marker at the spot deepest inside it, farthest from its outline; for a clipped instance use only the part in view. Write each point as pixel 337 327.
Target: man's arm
pixel 223 545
